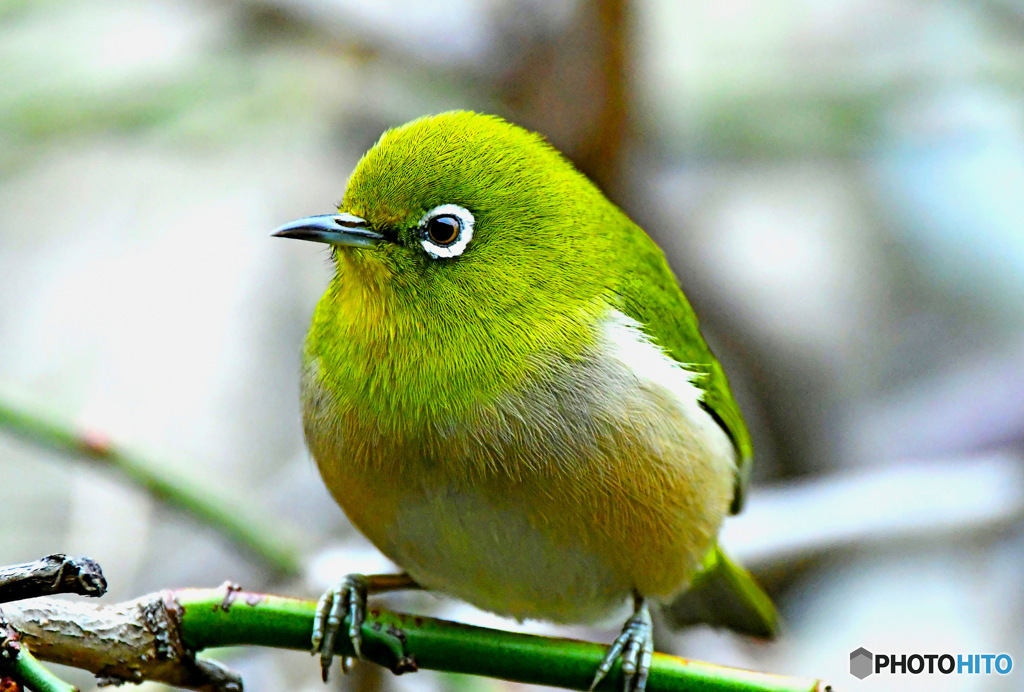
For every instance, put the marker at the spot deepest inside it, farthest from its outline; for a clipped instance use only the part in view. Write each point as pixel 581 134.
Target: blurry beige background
pixel 839 185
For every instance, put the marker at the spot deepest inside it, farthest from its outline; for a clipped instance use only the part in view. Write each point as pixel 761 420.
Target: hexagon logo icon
pixel 861 663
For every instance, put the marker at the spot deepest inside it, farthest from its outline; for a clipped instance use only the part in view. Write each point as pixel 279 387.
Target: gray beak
pixel 333 229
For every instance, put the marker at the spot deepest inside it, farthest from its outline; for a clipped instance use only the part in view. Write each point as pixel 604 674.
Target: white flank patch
pixel 627 343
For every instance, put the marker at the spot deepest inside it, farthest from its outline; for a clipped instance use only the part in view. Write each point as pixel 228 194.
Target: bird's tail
pixel 723 594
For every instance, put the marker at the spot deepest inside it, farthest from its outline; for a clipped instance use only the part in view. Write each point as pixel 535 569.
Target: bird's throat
pixel 404 359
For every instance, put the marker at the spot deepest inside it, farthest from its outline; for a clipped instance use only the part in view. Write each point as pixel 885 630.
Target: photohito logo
pixel 863 663
pixel 860 663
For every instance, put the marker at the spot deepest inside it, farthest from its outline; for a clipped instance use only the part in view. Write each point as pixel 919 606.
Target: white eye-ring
pixel 445 231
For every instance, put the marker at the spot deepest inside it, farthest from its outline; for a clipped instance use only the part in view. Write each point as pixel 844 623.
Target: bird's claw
pixel 636 647
pixel 345 602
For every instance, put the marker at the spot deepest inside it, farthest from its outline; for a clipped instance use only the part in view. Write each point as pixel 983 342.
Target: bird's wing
pixel 651 295
pixel 723 594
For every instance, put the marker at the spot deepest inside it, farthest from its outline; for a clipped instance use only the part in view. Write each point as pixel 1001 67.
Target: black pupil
pixel 443 230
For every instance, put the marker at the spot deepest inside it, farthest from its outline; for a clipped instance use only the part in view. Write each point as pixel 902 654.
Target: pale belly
pixel 491 554
pixel 558 502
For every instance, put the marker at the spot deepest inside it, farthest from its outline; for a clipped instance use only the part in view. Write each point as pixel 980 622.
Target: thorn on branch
pixel 231 589
pixel 52 575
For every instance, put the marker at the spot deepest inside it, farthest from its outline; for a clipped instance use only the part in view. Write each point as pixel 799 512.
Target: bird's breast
pixel 599 476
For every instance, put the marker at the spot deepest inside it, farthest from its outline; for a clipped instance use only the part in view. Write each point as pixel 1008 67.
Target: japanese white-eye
pixel 508 394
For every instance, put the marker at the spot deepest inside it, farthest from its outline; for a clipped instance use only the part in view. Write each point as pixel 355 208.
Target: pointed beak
pixel 333 229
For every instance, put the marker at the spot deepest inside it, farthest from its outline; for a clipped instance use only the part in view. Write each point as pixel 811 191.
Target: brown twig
pixel 126 642
pixel 50 575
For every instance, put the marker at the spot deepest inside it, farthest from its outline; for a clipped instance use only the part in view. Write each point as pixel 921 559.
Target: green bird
pixel 507 392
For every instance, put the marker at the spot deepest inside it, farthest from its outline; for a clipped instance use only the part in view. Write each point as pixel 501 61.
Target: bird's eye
pixel 445 231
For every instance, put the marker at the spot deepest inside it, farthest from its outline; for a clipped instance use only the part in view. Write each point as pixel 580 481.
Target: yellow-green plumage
pixel 533 425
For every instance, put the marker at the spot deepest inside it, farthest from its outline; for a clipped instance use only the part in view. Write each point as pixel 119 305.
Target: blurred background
pixel 839 185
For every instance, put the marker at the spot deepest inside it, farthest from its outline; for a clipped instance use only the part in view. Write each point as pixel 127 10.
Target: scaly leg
pixel 636 647
pixel 347 601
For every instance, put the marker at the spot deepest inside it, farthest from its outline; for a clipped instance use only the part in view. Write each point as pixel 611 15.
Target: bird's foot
pixel 345 602
pixel 635 646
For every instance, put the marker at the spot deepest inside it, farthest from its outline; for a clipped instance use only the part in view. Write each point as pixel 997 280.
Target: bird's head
pixel 468 212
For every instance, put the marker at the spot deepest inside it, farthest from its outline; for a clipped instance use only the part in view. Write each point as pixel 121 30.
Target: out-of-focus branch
pixel 590 59
pixel 52 574
pixel 205 499
pixel 953 498
pixel 154 637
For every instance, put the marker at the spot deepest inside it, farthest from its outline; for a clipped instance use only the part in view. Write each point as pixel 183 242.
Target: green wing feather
pixel 651 296
pixel 723 594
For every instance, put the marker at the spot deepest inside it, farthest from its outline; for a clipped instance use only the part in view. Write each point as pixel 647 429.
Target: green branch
pixel 404 643
pixel 206 500
pixel 17 662
pixel 27 670
pixel 155 637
